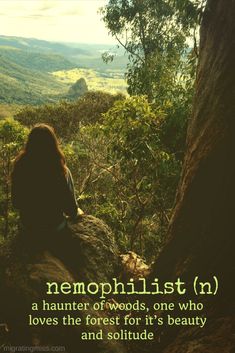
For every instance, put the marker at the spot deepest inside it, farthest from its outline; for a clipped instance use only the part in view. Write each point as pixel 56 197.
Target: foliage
pixel 160 38
pixel 20 84
pixel 82 55
pixel 93 104
pixel 61 116
pixel 147 174
pixel 125 153
pixel 12 137
pixel 67 117
pixel 154 34
pixel 7 110
pixel 122 171
pixel 125 177
pixel 40 61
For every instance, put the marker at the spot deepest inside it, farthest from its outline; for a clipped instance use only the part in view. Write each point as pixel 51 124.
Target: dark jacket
pixel 42 197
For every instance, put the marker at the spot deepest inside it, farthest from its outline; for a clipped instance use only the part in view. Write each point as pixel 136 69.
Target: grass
pixel 110 81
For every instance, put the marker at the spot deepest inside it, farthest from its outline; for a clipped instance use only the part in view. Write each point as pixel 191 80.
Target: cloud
pixel 60 20
pixel 55 9
pixel 47 5
pixel 75 12
pixel 34 16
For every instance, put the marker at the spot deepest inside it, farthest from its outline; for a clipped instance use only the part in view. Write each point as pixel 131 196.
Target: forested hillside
pixel 23 85
pixel 40 61
pixel 34 71
pixel 84 55
pixel 38 45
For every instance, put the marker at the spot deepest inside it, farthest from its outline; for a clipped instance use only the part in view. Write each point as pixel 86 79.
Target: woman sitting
pixel 42 185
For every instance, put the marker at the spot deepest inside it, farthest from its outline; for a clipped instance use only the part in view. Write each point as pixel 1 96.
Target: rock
pixel 86 252
pixel 78 88
pixel 133 266
pixel 98 251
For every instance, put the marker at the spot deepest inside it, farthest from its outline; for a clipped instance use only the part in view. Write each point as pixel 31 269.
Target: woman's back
pixel 40 187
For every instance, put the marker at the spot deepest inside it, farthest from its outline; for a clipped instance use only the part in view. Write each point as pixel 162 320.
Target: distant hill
pixel 80 54
pixel 19 84
pixel 25 71
pixel 46 62
pixel 38 45
pixel 27 68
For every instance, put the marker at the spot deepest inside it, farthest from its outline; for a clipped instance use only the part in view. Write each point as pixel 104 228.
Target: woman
pixel 42 185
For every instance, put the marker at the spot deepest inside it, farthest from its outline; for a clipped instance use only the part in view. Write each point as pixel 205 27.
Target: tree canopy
pixel 155 35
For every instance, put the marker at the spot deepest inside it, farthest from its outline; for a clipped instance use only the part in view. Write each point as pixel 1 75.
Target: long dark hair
pixel 42 150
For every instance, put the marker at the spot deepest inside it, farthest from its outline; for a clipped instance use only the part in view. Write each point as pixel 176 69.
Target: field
pixel 111 81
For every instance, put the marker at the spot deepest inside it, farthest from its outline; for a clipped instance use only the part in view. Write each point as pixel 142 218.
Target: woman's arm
pixel 70 205
pixel 16 188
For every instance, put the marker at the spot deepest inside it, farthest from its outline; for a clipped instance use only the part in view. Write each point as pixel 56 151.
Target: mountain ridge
pixel 27 64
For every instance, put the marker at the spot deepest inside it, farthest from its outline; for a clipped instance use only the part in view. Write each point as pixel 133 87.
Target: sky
pixel 54 20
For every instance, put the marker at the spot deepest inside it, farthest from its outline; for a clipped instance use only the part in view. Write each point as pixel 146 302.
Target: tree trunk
pixel 203 223
pixel 201 237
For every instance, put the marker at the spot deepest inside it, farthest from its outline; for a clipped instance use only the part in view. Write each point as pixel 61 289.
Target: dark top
pixel 42 197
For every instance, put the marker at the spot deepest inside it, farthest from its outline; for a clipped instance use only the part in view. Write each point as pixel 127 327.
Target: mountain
pixel 19 84
pixel 80 54
pixel 46 62
pixel 38 45
pixel 27 66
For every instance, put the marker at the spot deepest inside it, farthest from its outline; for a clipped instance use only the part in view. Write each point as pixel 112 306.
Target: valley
pixel 35 72
pixel 110 81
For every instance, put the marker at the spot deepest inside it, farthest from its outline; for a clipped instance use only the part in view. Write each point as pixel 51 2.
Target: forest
pixel 124 150
pixel 154 174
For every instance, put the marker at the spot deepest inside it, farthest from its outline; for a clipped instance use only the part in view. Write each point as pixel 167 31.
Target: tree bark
pixel 202 227
pixel 201 235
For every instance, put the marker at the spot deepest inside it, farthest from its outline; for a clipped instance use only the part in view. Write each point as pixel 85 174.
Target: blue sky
pixel 56 20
